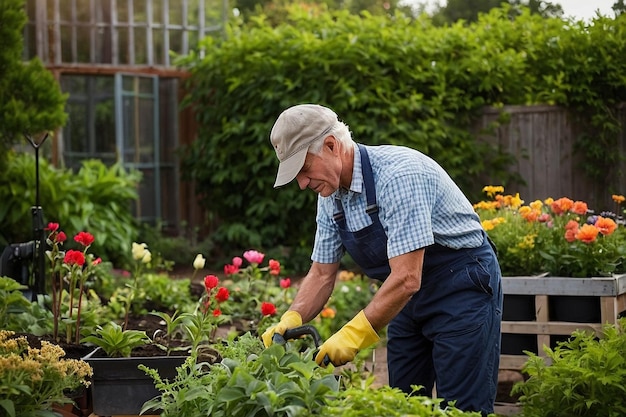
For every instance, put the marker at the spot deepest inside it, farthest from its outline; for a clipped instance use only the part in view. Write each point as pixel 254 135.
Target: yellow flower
pixel 536 205
pixel 492 190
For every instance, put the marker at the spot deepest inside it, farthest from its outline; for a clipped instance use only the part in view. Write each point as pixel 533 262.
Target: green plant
pixel 12 301
pixel 387 401
pixel 561 237
pixel 269 382
pixel 33 379
pixel 584 376
pixel 115 341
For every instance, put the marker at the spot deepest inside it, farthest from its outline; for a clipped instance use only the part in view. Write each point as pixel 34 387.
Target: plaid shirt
pixel 418 205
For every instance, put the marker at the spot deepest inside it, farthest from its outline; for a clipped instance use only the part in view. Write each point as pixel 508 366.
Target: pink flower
pixel 97 261
pixel 222 294
pixel 74 257
pixel 268 309
pixel 237 261
pixel 274 267
pixel 253 256
pixel 210 282
pixel 84 238
pixel 285 283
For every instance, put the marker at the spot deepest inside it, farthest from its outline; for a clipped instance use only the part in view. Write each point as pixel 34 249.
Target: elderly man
pixel 405 222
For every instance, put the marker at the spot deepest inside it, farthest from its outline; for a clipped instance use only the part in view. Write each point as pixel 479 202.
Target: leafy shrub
pixel 584 376
pixel 96 199
pixel 387 401
pixel 251 381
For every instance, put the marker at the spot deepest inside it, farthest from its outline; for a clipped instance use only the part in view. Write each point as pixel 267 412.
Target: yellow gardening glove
pixel 343 346
pixel 289 320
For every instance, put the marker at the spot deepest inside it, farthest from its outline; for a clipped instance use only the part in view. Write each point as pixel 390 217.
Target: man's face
pixel 321 172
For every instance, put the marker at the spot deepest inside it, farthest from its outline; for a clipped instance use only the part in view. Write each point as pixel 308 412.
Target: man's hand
pixel 289 320
pixel 343 346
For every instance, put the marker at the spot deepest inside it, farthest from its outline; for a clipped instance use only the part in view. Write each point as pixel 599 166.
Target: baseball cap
pixel 294 131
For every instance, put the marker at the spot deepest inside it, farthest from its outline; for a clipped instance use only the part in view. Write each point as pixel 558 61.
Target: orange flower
pixel 328 313
pixel 619 199
pixel 562 205
pixel 587 233
pixel 605 225
pixel 579 207
pixel 571 229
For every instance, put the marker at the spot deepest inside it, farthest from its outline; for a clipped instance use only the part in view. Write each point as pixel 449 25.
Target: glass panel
pixel 90 130
pixel 83 37
pixel 66 44
pixel 168 115
pixel 138 130
pixel 146 206
pixel 103 46
pixel 65 10
pixel 169 195
pixel 140 45
pixel 122 45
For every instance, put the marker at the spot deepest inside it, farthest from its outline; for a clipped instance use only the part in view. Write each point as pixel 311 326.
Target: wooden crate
pixel 611 292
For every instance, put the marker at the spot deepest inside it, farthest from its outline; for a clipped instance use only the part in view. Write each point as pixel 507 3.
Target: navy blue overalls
pixel 450 329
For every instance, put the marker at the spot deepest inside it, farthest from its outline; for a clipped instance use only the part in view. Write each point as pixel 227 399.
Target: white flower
pixel 141 253
pixel 199 262
pixel 345 289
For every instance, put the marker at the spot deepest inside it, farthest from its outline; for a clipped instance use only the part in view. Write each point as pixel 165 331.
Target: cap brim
pixel 289 168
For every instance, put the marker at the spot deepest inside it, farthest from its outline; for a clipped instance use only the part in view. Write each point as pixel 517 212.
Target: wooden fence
pixel 541 138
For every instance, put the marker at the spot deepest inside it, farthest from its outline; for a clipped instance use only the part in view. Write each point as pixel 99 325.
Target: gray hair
pixel 340 131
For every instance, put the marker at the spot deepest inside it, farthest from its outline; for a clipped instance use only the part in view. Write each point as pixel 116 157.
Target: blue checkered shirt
pixel 418 204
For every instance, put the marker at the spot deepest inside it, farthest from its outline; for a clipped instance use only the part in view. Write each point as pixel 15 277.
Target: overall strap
pixel 370 190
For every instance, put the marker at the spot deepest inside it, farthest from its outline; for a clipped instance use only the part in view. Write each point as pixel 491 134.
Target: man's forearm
pixel 315 290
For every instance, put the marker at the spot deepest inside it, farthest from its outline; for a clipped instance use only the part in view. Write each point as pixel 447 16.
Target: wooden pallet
pixel 611 292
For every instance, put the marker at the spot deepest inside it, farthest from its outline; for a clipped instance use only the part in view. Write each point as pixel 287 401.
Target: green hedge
pixel 392 80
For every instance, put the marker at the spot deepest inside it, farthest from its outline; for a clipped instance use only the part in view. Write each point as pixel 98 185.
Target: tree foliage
pixel 30 98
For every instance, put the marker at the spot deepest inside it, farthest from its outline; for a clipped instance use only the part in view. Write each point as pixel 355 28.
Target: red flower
pixel 74 257
pixel 285 283
pixel 230 269
pixel 210 282
pixel 60 237
pixel 53 227
pixel 84 238
pixel 274 266
pixel 217 312
pixel 268 309
pixel 97 261
pixel 222 294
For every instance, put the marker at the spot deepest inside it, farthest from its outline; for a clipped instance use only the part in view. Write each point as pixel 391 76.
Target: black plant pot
pixel 573 309
pixel 518 308
pixel 119 387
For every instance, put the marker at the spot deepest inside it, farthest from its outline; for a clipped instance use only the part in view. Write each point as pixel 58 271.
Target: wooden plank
pixel 601 286
pixel 548 328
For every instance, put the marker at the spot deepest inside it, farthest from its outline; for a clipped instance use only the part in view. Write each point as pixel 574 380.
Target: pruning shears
pixel 298 332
